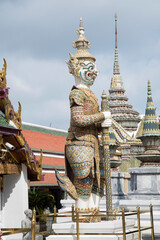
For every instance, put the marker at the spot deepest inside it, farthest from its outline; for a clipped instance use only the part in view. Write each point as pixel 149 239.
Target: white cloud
pixel 42 87
pixel 37 35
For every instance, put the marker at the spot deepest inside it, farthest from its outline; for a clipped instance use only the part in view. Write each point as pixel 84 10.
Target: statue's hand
pixel 107 114
pixel 108 121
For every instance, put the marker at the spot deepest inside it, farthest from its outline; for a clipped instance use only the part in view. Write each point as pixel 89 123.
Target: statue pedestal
pixel 101 227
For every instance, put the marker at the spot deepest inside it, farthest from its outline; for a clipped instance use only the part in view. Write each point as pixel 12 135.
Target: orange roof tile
pixel 52 161
pixel 47 178
pixel 40 140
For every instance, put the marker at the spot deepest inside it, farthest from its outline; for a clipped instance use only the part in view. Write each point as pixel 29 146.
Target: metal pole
pixel 55 214
pixel 77 223
pixel 138 223
pixel 123 223
pixel 106 141
pixel 73 213
pixel 33 225
pixel 152 223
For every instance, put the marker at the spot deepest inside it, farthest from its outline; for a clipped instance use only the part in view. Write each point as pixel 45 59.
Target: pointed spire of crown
pixel 82 44
pixel 150 126
pixel 116 70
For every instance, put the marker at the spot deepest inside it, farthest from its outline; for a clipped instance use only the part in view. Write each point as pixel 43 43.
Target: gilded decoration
pixel 8 108
pixel 11 115
pixel 3 75
pixel 14 121
pixel 8 164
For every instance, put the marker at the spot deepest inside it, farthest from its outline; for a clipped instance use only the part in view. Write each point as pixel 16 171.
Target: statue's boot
pixel 66 185
pixel 93 218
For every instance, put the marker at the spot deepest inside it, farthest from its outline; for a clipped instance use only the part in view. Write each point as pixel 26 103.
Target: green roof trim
pixel 52 166
pixel 43 184
pixel 4 123
pixel 47 151
pixel 44 130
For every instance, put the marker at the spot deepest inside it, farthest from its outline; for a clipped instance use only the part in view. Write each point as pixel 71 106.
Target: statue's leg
pixel 82 203
pixel 83 187
pixel 94 200
pixel 80 159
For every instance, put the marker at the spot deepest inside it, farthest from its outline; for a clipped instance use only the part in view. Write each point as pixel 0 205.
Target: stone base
pixel 102 227
pixel 144 183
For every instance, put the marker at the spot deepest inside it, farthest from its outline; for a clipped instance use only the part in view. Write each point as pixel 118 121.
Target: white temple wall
pixel 14 199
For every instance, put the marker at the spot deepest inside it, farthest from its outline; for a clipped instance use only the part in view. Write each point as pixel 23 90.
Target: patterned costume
pixel 84 179
pixel 82 148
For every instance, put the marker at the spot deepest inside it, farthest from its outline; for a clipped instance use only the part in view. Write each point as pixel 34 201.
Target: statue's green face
pixel 88 72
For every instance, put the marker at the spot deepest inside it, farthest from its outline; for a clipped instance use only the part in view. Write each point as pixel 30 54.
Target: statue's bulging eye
pixel 91 68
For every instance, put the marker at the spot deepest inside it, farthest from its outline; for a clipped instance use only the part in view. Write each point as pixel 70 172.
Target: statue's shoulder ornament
pixel 77 96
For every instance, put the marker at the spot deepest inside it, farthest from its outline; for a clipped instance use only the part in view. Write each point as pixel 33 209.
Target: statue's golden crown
pixel 82 44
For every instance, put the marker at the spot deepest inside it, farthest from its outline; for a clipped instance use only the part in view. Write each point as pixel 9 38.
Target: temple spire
pixel 116 70
pixel 115 30
pixel 121 110
pixel 150 126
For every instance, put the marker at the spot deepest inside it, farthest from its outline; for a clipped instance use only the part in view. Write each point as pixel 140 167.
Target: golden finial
pixel 18 117
pixel 115 15
pixel 3 75
pixel 40 160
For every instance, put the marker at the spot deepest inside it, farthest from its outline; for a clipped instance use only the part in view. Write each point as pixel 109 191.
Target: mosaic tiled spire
pixel 150 136
pixel 121 110
pixel 116 79
pixel 150 126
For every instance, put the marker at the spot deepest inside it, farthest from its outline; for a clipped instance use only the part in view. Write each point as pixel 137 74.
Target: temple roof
pixel 45 138
pixel 52 142
pixel 3 121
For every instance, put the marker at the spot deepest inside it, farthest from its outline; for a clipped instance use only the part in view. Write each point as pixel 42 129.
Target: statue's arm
pixel 81 120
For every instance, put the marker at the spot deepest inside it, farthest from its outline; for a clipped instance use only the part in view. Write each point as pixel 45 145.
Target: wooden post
pixel 33 225
pixel 152 224
pixel 138 223
pixel 73 213
pixel 55 214
pixel 77 223
pixel 123 223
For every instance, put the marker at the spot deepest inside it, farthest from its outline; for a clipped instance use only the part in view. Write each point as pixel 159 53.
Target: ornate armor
pixel 82 148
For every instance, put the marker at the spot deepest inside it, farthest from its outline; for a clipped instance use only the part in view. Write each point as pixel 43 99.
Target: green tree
pixel 40 200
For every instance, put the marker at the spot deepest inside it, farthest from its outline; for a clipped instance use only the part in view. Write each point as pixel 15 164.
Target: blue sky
pixel 36 38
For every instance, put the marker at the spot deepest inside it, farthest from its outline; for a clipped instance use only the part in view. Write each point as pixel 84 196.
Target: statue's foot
pixel 91 215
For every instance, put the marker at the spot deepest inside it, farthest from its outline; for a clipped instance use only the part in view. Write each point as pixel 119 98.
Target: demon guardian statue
pixel 84 179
